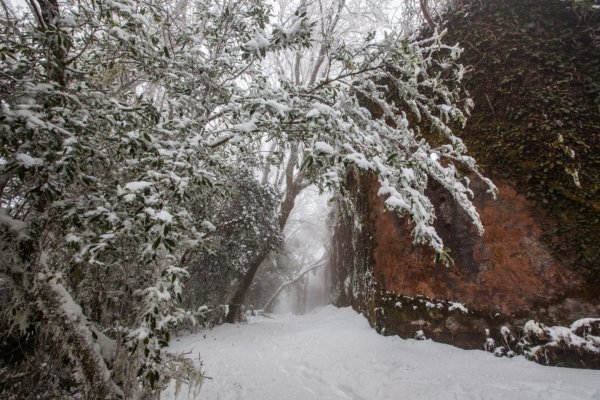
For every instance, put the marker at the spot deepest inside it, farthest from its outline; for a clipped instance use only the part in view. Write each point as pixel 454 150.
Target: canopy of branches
pixel 118 116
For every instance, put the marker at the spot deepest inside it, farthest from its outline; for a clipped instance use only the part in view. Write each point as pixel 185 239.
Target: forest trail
pixel 334 354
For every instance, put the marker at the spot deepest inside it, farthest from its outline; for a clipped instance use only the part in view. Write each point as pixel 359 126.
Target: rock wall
pixel 503 278
pixel 538 258
pixel 351 254
pixel 507 270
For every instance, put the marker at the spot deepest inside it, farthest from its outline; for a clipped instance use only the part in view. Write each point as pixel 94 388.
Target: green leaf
pixel 308 161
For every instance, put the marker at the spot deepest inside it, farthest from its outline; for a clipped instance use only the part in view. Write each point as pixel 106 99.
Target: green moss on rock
pixel 535 79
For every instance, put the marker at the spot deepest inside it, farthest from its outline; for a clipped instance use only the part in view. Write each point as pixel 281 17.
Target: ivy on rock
pixel 534 73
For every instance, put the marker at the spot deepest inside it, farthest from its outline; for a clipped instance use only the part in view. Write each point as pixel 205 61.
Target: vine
pixel 535 80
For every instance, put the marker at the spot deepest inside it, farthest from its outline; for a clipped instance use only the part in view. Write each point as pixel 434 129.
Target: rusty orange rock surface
pixel 508 269
pixel 503 278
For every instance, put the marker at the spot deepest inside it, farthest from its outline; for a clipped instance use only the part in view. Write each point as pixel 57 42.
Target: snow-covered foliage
pixel 246 228
pixel 116 114
pixel 582 336
pixel 106 133
pixel 575 346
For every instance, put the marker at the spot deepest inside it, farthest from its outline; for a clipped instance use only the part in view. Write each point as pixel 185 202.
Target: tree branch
pixel 288 283
pixel 423 4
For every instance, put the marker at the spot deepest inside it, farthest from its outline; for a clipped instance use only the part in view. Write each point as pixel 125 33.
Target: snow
pixel 457 306
pixel 533 327
pixel 137 186
pixel 259 42
pixel 583 322
pixel 107 346
pixel 319 109
pixel 280 108
pixel 334 354
pixel 68 307
pixel 70 238
pixel 322 147
pixel 245 127
pixel 299 26
pixel 164 216
pixel 208 225
pixel 562 334
pixel 360 160
pixel 13 224
pixel 28 161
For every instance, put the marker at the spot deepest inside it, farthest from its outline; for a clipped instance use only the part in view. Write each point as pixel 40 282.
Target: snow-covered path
pixel 334 354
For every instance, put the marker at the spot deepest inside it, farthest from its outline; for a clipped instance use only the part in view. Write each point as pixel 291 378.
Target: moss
pixel 535 79
pixel 404 316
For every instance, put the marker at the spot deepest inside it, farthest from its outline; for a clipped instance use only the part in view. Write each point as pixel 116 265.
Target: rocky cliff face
pixel 535 83
pixel 507 270
pixel 501 279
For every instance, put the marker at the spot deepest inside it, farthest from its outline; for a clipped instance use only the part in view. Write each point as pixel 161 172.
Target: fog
pixel 307 238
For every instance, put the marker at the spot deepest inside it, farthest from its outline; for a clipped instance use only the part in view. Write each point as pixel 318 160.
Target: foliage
pixel 535 68
pixel 246 227
pixel 572 347
pixel 96 178
pixel 117 114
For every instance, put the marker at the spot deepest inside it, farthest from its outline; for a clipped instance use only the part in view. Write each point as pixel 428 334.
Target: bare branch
pixel 288 283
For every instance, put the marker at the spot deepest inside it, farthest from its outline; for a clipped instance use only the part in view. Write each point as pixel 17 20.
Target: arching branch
pixel 288 283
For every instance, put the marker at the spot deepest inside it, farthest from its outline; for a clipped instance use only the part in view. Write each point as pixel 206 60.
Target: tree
pixel 245 227
pixel 115 113
pixel 306 243
pixel 106 119
pixel 301 65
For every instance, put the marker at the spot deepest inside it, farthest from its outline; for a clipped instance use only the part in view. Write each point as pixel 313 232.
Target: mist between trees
pixel 152 154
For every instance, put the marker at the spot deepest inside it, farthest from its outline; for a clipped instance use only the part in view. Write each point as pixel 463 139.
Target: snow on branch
pixel 284 285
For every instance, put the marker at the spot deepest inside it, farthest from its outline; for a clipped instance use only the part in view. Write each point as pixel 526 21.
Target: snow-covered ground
pixel 333 354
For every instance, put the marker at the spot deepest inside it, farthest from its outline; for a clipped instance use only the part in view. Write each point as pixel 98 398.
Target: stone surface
pixel 523 267
pixel 503 278
pixel 509 269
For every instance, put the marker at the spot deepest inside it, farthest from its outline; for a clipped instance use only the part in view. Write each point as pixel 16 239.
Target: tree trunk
pixel 49 18
pixel 51 301
pixel 267 167
pixel 240 292
pixel 296 309
pixel 293 187
pixel 305 296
